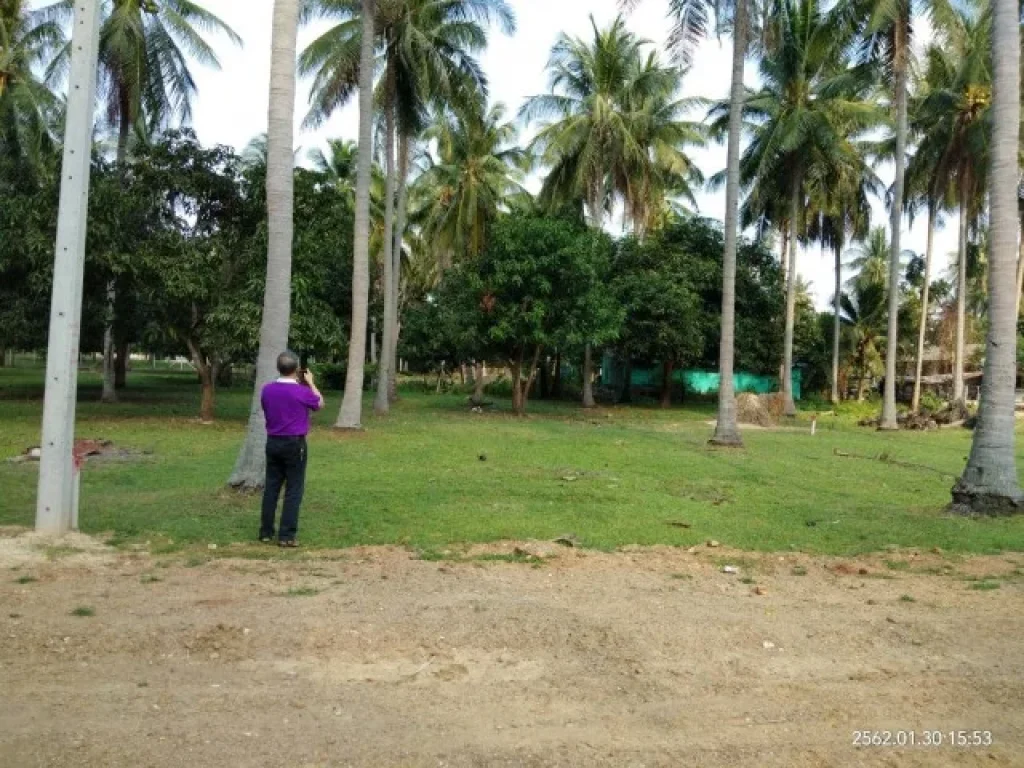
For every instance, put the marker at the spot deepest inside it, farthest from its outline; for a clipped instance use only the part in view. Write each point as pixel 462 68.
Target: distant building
pixel 937 372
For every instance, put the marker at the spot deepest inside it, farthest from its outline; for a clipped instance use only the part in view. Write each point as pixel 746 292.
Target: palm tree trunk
pixel 726 430
pixel 789 407
pixel 382 403
pixel 350 416
pixel 596 219
pixel 902 55
pixel 396 259
pixel 124 129
pixel 837 322
pixel 109 377
pixel 961 291
pixel 989 483
pixel 784 262
pixel 923 329
pixel 250 466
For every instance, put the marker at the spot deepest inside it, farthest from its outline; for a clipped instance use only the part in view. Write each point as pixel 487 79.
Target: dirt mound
pixel 762 410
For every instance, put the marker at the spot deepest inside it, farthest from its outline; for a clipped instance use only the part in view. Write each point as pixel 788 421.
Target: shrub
pixel 331 376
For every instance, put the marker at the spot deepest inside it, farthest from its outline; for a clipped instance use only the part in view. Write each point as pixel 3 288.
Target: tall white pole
pixel 55 499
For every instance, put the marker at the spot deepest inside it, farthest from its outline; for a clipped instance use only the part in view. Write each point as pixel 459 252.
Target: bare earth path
pixel 373 658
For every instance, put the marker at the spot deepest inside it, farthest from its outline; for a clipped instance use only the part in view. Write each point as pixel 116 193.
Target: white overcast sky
pixel 232 103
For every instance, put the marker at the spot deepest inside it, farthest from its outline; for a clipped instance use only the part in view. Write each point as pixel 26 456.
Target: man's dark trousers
pixel 286 465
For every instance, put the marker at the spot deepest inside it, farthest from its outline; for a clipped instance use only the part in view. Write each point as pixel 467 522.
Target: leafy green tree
pixel 685 258
pixel 663 324
pixel 145 83
pixel 538 284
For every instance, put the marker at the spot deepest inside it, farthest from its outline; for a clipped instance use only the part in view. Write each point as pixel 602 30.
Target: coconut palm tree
pixel 863 314
pixel 145 82
pixel 692 23
pixel 928 188
pixel 338 163
pixel 29 110
pixel 809 105
pixel 954 115
pixel 427 50
pixel 885 30
pixel 478 171
pixel 838 189
pixel 611 128
pixel 251 463
pixel 989 483
pixel 869 261
pixel 145 56
pixel 350 415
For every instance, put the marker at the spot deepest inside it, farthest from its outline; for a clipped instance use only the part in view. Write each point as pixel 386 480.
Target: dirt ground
pixel 371 657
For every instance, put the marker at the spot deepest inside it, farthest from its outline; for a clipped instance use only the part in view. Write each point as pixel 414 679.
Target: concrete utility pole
pixel 56 499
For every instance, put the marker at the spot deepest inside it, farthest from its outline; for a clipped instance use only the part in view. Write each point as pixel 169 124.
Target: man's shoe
pixel 288 543
pixel 266 539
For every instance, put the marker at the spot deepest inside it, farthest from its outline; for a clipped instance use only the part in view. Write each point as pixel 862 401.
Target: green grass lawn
pixel 613 477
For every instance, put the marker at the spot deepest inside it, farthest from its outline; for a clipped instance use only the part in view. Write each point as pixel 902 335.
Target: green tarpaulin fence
pixel 697 382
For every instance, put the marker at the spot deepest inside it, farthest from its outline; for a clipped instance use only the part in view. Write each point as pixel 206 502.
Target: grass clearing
pixel 645 476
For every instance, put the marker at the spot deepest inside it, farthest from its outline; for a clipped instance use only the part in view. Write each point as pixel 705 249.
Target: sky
pixel 231 107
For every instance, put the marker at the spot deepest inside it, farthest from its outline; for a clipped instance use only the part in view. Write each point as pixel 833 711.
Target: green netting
pixel 697 382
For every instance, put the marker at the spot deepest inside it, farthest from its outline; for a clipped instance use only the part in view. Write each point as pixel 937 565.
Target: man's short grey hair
pixel 287 363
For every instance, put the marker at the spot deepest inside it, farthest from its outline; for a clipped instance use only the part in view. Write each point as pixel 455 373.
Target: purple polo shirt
pixel 287 405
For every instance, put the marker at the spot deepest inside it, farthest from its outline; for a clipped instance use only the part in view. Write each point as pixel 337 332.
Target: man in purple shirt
pixel 287 404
